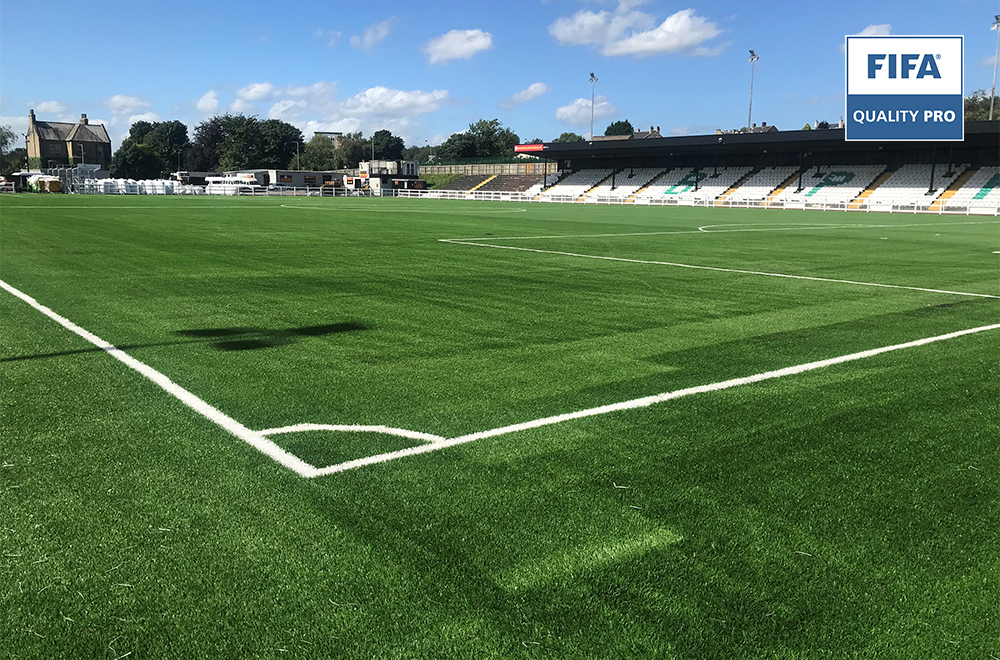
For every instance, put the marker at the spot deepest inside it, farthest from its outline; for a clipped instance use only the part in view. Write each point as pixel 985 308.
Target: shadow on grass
pixel 221 339
pixel 249 339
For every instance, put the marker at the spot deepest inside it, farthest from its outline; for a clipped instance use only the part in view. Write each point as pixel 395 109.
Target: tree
pixel 352 150
pixel 535 141
pixel 13 161
pixel 138 131
pixel 204 153
pixel 10 159
pixel 459 145
pixel 319 154
pixel 492 139
pixel 167 139
pixel 569 137
pixel 387 145
pixel 136 161
pixel 238 142
pixel 278 142
pixel 977 106
pixel 621 127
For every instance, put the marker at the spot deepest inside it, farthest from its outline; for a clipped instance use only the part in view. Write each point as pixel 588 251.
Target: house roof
pixel 89 133
pixel 62 131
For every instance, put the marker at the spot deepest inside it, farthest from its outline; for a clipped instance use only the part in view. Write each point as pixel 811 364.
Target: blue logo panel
pixel 904 117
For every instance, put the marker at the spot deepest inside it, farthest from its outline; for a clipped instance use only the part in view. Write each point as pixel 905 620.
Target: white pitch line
pixel 642 402
pixel 708 229
pixel 253 438
pixel 377 209
pixel 210 206
pixel 354 428
pixel 717 269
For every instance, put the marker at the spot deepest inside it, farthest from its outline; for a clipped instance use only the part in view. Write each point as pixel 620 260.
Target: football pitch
pixel 389 428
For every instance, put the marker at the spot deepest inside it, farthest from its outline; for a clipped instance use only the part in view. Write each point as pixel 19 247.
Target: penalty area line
pixel 253 438
pixel 642 402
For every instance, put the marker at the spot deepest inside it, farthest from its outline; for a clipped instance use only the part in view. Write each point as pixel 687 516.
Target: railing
pixel 906 206
pixel 894 206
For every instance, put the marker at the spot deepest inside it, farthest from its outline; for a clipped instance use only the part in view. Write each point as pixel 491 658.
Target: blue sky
pixel 425 70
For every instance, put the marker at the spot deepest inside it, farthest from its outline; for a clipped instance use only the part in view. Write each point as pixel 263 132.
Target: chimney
pixel 763 124
pixel 83 119
pixel 657 130
pixel 31 114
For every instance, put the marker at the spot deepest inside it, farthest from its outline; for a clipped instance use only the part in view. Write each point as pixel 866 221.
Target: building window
pixel 54 150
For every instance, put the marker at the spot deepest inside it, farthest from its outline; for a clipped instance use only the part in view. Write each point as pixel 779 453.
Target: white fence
pixel 129 187
pixel 906 206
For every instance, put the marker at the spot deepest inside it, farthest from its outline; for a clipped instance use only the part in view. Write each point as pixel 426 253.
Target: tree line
pixel 237 142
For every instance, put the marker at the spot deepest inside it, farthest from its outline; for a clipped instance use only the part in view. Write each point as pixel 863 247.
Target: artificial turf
pixel 850 512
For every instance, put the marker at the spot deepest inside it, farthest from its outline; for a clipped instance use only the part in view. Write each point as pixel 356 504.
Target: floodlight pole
pixel 593 79
pixel 753 63
pixel 996 28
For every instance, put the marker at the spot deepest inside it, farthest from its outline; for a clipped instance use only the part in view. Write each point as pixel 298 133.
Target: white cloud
pixel 385 102
pixel 578 112
pixel 17 124
pixel 240 106
pixel 331 36
pixel 373 35
pixel 321 89
pixel 683 31
pixel 533 92
pixel 255 91
pixel 51 108
pixel 587 27
pixel 457 44
pixel 626 31
pixel 987 61
pixel 145 116
pixel 874 30
pixel 125 105
pixel 208 103
pixel 316 108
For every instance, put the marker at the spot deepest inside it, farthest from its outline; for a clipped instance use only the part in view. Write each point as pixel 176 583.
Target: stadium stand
pixel 981 190
pixel 908 186
pixel 761 184
pixel 839 184
pixel 578 183
pixel 467 182
pixel 626 181
pixel 684 184
pixel 511 183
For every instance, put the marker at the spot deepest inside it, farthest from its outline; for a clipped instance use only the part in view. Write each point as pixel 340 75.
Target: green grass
pixel 440 180
pixel 848 512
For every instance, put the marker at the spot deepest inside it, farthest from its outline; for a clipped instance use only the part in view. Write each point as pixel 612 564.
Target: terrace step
pixel 736 186
pixel 780 189
pixel 955 186
pixel 599 184
pixel 480 185
pixel 655 179
pixel 858 201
